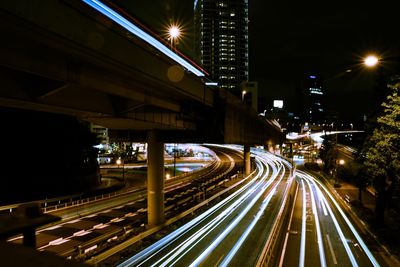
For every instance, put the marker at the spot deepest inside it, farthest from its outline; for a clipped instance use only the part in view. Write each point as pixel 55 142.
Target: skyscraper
pixel 313 101
pixel 221 41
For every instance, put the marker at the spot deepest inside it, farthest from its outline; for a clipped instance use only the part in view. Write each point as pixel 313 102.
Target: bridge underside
pixel 52 65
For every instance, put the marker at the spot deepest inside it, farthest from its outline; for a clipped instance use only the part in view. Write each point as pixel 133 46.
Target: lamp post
pixel 243 94
pixel 119 161
pixel 341 163
pixel 175 150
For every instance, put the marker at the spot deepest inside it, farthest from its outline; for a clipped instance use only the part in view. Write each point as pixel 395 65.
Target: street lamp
pixel 119 161
pixel 174 32
pixel 371 61
pixel 243 94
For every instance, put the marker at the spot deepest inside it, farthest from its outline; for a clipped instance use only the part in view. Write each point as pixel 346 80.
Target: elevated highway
pixel 72 57
pixel 90 60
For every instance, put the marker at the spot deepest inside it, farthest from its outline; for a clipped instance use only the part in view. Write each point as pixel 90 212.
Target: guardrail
pixel 125 244
pixel 60 203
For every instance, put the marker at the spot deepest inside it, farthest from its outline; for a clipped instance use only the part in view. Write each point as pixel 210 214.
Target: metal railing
pixel 60 203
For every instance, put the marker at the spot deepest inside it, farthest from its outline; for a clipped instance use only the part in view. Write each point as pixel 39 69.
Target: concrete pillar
pixel 155 180
pixel 29 237
pixel 247 163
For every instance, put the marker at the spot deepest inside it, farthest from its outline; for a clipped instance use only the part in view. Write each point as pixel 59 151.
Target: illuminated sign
pixel 278 103
pixel 316 91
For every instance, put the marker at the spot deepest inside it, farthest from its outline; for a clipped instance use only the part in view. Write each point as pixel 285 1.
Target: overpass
pixel 85 59
pixel 67 57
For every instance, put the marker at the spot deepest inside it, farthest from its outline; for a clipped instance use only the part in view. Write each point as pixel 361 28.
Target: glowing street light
pixel 371 61
pixel 243 94
pixel 174 33
pixel 119 162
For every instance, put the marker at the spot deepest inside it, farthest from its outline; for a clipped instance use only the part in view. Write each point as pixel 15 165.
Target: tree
pixel 382 150
pixel 328 154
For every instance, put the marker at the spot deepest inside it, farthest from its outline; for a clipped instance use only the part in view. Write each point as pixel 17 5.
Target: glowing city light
pixel 371 61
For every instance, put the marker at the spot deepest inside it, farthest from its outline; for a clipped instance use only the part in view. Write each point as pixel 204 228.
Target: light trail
pixel 303 229
pixel 349 224
pixel 227 230
pixel 152 250
pixel 288 230
pixel 182 251
pixel 319 235
pixel 258 184
pixel 241 240
pixel 198 236
pixel 113 15
pixel 336 223
pixel 321 201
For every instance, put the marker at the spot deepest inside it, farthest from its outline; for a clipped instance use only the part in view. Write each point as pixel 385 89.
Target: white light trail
pixel 288 230
pixel 178 251
pixel 303 229
pixel 241 240
pixel 337 226
pixel 152 250
pixel 183 250
pixel 227 230
pixel 349 224
pixel 319 235
pixel 199 235
pixel 321 201
pixel 113 15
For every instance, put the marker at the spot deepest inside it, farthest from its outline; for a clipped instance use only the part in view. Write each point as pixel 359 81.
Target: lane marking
pixel 288 229
pixel 331 249
pixel 219 260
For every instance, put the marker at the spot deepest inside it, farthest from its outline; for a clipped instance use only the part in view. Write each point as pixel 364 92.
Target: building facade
pixel 313 110
pixel 221 41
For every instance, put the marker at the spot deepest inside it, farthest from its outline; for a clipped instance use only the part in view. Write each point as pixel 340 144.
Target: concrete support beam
pixel 246 156
pixel 155 180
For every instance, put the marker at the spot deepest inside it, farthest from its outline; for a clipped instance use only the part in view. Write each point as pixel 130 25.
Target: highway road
pixel 108 220
pixel 233 231
pixel 319 232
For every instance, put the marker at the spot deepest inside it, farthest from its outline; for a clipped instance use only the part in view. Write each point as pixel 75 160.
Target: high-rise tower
pixel 313 101
pixel 221 41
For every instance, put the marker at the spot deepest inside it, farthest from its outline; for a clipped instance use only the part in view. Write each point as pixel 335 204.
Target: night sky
pixel 291 39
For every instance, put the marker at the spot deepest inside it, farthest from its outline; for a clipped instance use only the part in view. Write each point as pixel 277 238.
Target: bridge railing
pixel 61 203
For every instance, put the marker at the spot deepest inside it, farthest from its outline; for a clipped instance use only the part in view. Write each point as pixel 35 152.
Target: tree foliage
pixel 382 148
pixel 328 154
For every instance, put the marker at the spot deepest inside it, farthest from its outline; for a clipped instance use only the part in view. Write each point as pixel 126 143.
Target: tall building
pixel 313 110
pixel 221 41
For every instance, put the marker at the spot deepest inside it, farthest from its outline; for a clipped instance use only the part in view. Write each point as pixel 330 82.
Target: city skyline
pixel 120 149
